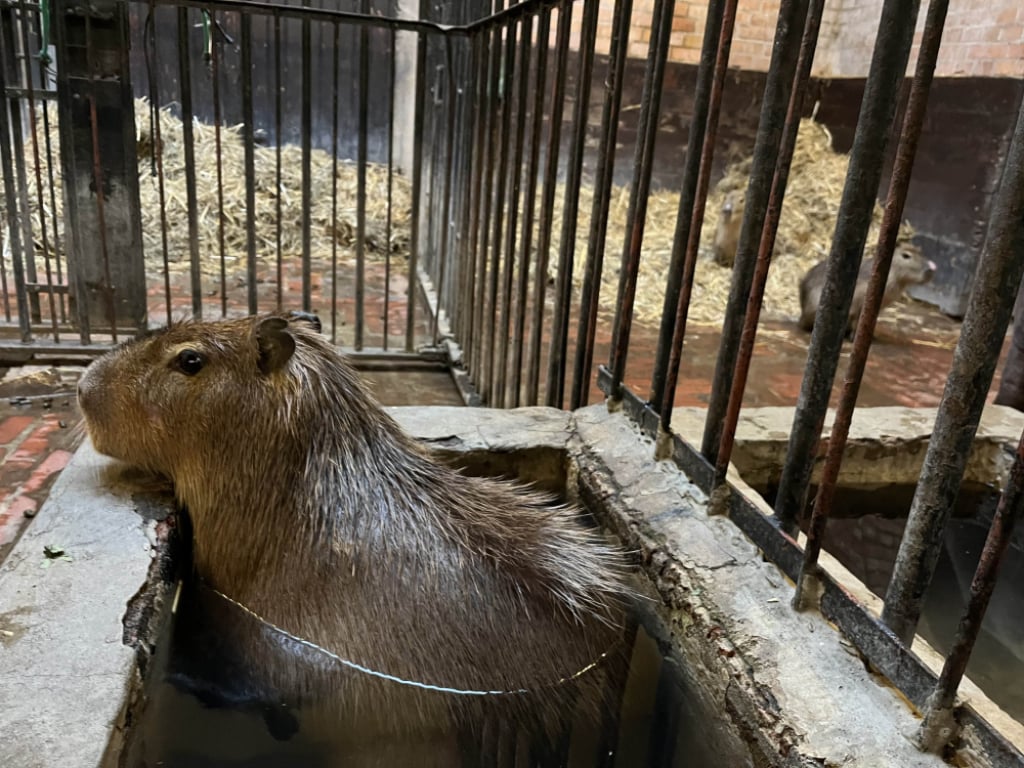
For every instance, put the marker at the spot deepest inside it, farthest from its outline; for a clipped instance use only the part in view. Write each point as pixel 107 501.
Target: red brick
pixel 12 427
pixel 34 447
pixel 52 464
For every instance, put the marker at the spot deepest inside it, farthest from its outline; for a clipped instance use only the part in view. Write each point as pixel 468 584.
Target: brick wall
pixel 983 38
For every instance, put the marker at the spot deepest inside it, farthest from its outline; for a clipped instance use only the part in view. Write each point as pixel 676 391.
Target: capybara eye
pixel 904 255
pixel 189 362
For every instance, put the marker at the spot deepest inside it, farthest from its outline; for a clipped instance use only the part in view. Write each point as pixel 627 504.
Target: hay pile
pixel 805 234
pixel 324 228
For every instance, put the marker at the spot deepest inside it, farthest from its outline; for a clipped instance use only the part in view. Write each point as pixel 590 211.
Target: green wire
pixel 44 16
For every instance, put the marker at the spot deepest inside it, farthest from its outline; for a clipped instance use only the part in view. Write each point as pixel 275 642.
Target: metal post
pixel 974 362
pixel 101 192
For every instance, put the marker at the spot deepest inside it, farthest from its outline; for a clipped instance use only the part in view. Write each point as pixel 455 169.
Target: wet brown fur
pixel 313 508
pixel 909 267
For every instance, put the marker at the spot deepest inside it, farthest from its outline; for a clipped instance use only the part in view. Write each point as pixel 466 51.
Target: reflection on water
pixel 199 713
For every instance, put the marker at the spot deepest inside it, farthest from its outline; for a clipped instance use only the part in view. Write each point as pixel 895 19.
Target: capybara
pixel 727 233
pixel 909 267
pixel 316 520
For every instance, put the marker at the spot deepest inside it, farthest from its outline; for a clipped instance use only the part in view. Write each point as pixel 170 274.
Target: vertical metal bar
pixel 974 362
pixel 448 172
pixel 515 182
pixel 158 153
pixel 567 246
pixel 792 18
pixel 278 142
pixel 548 201
pixel 217 122
pixel 50 162
pixel 939 726
pixel 185 91
pixel 650 102
pixel 10 195
pixel 417 188
pixel 689 223
pixel 681 264
pixel 471 298
pixel 245 23
pixel 888 67
pixel 767 244
pixel 98 182
pixel 491 131
pixel 471 138
pixel 491 393
pixel 334 194
pixel 603 177
pixel 37 167
pixel 900 182
pixel 361 154
pixel 391 166
pixel 543 37
pixel 307 173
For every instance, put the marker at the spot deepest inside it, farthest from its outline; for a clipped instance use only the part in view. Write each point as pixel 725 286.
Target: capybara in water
pixel 311 508
pixel 909 267
pixel 727 233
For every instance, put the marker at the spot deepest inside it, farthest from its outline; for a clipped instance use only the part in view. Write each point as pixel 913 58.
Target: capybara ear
pixel 275 344
pixel 305 317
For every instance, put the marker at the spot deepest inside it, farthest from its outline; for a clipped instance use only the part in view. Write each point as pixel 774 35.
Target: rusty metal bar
pixel 10 196
pixel 334 193
pixel 791 21
pixel 533 168
pixel 417 189
pixel 603 177
pixel 361 159
pixel 700 147
pixel 690 215
pixel 548 201
pixel 192 213
pixel 446 198
pixel 473 299
pixel 567 246
pixel 974 362
pixel 393 65
pixel 886 74
pixel 939 726
pixel 245 21
pixel 900 182
pixel 768 233
pixel 217 122
pixel 306 143
pixel 636 217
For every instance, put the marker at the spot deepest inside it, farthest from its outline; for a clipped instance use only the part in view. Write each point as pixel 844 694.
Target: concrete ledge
pixel 64 669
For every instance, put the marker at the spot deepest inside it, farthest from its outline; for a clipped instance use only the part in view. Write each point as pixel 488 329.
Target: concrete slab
pixel 64 670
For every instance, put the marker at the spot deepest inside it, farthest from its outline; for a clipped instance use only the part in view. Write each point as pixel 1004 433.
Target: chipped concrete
pixel 64 671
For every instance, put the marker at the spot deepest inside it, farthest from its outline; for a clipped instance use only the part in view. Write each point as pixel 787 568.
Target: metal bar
pixel 34 122
pixel 603 177
pixel 567 246
pixel 888 66
pixel 361 154
pixel 245 23
pixel 683 260
pixel 10 195
pixel 185 91
pixel 939 725
pixel 473 139
pixel 278 142
pixel 53 207
pixel 492 127
pixel 650 101
pixel 449 170
pixel 900 182
pixel 307 174
pixel 523 69
pixel 149 41
pixel 791 21
pixel 334 194
pixel 417 188
pixel 974 361
pixel 391 167
pixel 217 121
pixel 490 392
pixel 533 169
pixel 98 182
pixel 767 245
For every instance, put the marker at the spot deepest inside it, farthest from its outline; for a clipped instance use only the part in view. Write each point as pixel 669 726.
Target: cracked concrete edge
pixel 792 691
pixel 896 434
pixel 66 674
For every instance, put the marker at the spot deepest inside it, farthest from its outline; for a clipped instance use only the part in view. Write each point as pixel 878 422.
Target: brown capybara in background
pixel 311 508
pixel 909 267
pixel 727 233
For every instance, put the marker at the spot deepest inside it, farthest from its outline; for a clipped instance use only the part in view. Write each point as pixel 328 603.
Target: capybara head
pixel 909 266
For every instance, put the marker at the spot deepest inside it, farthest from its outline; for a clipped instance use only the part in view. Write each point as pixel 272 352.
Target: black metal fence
pixel 419 181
